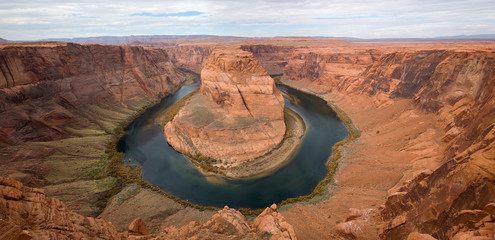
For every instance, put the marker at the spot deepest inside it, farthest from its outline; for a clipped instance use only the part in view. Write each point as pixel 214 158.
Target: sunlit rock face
pixel 238 115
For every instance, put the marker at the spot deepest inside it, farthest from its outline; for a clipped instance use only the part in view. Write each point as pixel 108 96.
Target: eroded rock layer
pixel 238 114
pixel 448 193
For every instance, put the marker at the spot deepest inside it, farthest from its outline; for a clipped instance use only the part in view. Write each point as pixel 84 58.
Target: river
pixel 145 145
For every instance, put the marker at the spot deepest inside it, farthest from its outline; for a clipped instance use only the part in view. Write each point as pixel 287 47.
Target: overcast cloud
pixel 33 20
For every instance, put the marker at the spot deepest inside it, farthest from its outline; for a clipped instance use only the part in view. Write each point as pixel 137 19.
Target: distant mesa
pixel 238 115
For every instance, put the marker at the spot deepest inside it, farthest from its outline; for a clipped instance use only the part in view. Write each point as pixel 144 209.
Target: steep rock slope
pixel 455 87
pixel 325 69
pixel 459 87
pixel 41 85
pixel 274 58
pixel 191 57
pixel 60 104
pixel 236 96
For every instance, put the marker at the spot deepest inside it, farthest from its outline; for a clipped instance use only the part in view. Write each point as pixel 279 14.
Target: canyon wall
pixel 41 86
pixel 326 69
pixel 190 57
pixel 274 58
pixel 60 104
pixel 458 87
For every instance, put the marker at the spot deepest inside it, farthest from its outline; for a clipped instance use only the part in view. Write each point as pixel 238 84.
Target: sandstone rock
pixel 53 91
pixel 56 78
pixel 35 216
pixel 419 236
pixel 138 226
pixel 231 224
pixel 238 114
pixel 273 223
pixel 353 226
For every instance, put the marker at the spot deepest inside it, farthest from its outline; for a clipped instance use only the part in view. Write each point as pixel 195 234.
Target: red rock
pixel 39 217
pixel 419 236
pixel 138 227
pixel 238 114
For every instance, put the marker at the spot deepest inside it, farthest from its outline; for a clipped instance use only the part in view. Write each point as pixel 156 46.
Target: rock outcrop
pixel 238 115
pixel 459 86
pixel 231 224
pixel 27 213
pixel 191 57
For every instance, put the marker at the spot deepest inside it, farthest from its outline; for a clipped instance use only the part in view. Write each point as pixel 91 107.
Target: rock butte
pixel 238 115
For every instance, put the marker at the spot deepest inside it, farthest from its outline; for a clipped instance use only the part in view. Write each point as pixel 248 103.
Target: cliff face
pixel 274 58
pixel 236 96
pixel 60 102
pixel 459 86
pixel 326 70
pixel 41 86
pixel 191 57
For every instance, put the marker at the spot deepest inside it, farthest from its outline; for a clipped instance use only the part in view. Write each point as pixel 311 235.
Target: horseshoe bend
pixel 238 115
pixel 422 167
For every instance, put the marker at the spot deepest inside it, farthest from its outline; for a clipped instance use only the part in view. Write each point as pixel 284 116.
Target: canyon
pixel 422 167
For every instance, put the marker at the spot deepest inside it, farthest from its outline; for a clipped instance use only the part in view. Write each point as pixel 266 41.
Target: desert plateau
pixel 226 137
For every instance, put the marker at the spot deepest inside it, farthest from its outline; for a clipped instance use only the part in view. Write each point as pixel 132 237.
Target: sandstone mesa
pixel 238 115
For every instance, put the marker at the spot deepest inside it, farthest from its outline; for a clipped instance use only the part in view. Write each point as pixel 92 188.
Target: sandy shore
pixel 276 158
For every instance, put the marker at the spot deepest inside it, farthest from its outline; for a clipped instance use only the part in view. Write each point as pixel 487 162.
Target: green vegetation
pixel 171 111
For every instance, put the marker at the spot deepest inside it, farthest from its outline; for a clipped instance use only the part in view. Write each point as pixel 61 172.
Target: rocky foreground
pixel 238 115
pixel 26 213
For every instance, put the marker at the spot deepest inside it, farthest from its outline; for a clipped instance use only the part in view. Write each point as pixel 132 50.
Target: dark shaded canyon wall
pixel 42 85
pixel 190 57
pixel 326 68
pixel 273 58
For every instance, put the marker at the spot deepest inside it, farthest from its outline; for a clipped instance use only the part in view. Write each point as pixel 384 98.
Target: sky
pixel 34 20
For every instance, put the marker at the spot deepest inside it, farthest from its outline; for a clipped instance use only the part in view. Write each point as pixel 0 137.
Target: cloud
pixel 32 20
pixel 177 14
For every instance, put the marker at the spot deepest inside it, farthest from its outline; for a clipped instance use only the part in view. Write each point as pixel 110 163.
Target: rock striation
pixel 53 91
pixel 238 115
pixel 42 84
pixel 449 190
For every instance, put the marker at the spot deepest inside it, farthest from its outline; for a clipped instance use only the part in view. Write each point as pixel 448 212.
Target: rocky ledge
pixel 26 213
pixel 238 115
